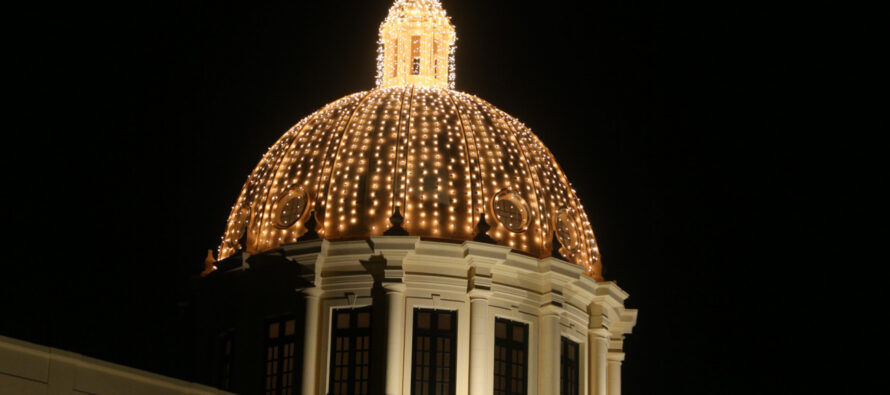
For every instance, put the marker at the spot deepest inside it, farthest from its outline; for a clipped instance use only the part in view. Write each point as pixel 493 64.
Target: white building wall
pixel 444 276
pixel 427 275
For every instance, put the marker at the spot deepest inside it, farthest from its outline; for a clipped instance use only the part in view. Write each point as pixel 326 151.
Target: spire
pixel 416 46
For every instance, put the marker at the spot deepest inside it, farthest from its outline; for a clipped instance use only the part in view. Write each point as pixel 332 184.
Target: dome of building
pixel 414 148
pixel 415 239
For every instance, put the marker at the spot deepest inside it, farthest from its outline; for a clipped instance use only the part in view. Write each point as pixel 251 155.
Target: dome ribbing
pixel 443 157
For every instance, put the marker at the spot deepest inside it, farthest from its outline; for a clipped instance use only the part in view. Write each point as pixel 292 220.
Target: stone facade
pixel 396 275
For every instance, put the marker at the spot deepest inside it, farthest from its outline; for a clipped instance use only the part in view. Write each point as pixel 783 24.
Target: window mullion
pixel 281 343
pixel 353 360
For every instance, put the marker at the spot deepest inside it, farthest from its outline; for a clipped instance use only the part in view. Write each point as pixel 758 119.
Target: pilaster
pixel 395 313
pixel 598 341
pixel 549 346
pixel 311 340
pixel 614 371
pixel 480 333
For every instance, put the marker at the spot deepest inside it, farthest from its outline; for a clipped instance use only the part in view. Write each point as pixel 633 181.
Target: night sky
pixel 137 123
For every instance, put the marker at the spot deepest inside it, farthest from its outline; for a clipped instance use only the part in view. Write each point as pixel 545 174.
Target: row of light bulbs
pixel 367 153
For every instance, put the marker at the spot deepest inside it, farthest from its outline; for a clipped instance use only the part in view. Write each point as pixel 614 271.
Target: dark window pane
pixel 364 320
pixel 500 330
pixel 342 320
pixel 424 320
pixel 445 322
pixel 518 333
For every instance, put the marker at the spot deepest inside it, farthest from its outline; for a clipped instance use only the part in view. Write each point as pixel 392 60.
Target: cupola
pixel 416 46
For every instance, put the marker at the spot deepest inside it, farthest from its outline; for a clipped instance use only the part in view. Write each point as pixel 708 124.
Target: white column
pixel 598 341
pixel 395 338
pixel 480 334
pixel 548 351
pixel 615 359
pixel 310 341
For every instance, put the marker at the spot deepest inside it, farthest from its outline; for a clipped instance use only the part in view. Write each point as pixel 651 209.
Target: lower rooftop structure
pixel 31 369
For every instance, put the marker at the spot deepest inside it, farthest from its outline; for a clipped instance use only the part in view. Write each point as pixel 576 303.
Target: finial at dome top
pixel 416 46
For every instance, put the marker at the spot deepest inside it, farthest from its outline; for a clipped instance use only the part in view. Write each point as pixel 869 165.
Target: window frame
pixel 351 334
pixel 511 345
pixel 566 365
pixel 225 348
pixel 435 333
pixel 285 356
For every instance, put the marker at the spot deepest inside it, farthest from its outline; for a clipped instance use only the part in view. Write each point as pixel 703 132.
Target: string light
pixel 443 157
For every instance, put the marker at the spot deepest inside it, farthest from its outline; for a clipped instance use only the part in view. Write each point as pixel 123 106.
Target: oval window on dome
pixel 511 210
pixel 290 207
pixel 565 228
pixel 239 223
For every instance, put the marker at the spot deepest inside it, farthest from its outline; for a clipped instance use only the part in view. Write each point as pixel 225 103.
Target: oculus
pixel 511 210
pixel 291 206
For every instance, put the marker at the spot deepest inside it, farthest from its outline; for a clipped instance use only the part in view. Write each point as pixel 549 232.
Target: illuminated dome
pixel 439 157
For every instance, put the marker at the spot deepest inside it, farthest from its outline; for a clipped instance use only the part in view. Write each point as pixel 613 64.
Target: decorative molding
pixel 482 228
pixel 310 225
pixel 396 219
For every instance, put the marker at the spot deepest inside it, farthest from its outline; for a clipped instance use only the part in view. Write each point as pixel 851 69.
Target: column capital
pixel 554 298
pixel 311 292
pixel 614 356
pixel 550 310
pixel 394 287
pixel 476 294
pixel 599 333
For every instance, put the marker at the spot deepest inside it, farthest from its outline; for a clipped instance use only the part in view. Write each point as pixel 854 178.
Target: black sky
pixel 138 122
